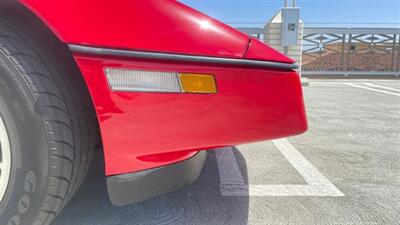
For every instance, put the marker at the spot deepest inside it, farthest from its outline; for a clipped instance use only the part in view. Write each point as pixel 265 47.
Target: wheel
pixel 48 128
pixel 5 154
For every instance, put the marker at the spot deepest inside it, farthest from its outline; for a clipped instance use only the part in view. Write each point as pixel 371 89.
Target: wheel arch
pixel 18 14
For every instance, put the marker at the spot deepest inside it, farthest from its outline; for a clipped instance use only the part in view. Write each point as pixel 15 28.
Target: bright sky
pixel 343 13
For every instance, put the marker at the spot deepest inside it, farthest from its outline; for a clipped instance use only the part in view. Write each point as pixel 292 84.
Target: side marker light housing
pixel 131 80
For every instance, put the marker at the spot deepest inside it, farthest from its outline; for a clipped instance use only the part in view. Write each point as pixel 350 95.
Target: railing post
pixel 342 54
pixel 348 63
pixel 398 57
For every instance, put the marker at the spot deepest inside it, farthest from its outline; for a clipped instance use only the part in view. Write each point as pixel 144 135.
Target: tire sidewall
pixel 29 147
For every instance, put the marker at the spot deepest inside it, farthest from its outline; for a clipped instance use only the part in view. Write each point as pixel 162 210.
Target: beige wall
pixel 273 37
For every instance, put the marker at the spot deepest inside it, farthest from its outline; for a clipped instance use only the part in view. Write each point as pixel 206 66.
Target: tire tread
pixel 68 116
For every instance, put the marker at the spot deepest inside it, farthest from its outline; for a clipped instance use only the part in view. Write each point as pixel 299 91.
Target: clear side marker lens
pixel 142 81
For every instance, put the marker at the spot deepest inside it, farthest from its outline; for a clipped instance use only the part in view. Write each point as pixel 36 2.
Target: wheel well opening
pixel 32 26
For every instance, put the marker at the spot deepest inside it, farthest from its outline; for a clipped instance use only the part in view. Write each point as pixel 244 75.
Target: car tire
pixel 48 128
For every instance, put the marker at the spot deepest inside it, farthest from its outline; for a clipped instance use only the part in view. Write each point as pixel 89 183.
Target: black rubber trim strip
pixel 135 187
pixel 181 58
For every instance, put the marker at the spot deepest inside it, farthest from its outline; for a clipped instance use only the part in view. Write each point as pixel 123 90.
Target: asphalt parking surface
pixel 344 170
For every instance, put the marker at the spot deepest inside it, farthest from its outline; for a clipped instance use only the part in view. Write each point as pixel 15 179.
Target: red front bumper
pixel 147 130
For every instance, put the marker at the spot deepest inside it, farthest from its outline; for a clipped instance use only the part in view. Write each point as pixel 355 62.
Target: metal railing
pixel 347 51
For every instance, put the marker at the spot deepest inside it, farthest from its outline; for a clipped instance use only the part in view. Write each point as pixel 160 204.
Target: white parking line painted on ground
pixel 371 89
pixel 232 183
pixel 383 87
pixel 228 168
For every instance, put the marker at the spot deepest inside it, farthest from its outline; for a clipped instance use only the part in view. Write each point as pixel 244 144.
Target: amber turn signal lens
pixel 198 83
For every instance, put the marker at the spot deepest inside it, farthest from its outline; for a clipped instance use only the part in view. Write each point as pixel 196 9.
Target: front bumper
pixel 142 131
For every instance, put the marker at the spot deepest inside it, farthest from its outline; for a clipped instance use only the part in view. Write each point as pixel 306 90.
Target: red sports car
pixel 153 83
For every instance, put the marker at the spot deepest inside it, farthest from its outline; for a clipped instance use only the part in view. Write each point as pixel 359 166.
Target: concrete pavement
pixel 353 144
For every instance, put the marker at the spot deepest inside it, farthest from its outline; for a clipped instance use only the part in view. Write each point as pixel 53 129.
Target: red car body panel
pixel 150 25
pixel 251 105
pixel 260 51
pixel 147 130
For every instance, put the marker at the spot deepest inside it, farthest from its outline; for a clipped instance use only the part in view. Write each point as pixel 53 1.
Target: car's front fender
pixel 255 99
pixel 152 25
